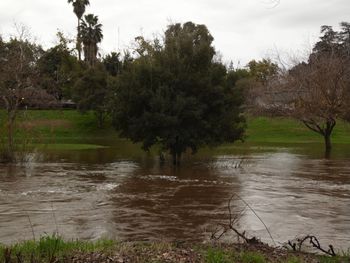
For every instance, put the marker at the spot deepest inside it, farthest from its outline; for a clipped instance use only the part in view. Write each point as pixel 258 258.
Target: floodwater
pixel 115 193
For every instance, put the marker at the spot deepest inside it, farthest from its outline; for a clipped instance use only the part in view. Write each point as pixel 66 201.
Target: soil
pixel 134 253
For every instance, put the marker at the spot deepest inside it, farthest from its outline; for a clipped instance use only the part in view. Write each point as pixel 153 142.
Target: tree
pixel 91 92
pixel 316 92
pixel 79 7
pixel 91 35
pixel 58 70
pixel 235 75
pixel 262 70
pixel 322 93
pixel 323 83
pixel 252 80
pixel 175 95
pixel 113 63
pixel 18 57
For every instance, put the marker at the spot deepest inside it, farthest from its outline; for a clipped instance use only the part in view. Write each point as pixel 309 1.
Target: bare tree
pixel 315 92
pixel 322 95
pixel 17 73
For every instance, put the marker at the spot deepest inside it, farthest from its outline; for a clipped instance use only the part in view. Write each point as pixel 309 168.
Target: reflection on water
pixel 93 194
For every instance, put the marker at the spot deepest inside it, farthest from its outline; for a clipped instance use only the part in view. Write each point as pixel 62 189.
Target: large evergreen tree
pixel 175 94
pixel 91 92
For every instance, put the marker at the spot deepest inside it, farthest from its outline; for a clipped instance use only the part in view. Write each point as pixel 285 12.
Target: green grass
pixel 294 260
pixel 217 256
pixel 76 126
pixel 214 255
pixel 252 257
pixel 60 130
pixel 50 247
pixel 341 258
pixel 285 130
pixel 55 249
pixel 69 129
pixel 71 146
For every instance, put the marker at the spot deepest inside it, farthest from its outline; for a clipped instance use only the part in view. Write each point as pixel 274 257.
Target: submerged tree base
pixel 55 249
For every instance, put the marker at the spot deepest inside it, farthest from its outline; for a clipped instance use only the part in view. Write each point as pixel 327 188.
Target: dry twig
pixel 297 246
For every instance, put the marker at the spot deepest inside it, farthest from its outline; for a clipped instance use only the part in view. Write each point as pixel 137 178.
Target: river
pixel 112 193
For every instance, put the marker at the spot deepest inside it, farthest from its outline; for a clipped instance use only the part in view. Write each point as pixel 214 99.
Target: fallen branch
pixel 297 246
pixel 225 228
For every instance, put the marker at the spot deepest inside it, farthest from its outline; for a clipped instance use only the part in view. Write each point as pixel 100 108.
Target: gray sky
pixel 243 29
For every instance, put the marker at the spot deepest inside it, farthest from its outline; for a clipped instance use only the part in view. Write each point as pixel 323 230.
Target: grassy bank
pixel 284 130
pixel 68 129
pixel 55 249
pixel 60 129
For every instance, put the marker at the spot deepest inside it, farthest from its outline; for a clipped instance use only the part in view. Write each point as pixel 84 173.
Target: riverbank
pixel 68 129
pixel 55 249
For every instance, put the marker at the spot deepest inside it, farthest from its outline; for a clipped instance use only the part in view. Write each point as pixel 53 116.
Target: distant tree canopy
pixel 252 79
pixel 262 70
pixel 91 35
pixel 113 63
pixel 58 70
pixel 175 94
pixel 91 92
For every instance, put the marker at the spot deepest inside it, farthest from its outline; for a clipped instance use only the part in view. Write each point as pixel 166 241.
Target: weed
pixel 216 256
pixel 252 257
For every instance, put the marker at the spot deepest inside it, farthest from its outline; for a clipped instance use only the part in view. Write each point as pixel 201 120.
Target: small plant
pixel 294 260
pixel 252 257
pixel 215 256
pixel 337 259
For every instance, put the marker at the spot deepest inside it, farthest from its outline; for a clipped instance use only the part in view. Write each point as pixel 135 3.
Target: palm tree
pixel 79 7
pixel 91 35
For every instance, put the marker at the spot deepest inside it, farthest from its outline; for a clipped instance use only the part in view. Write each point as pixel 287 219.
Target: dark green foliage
pixel 91 92
pixel 234 75
pixel 334 41
pixel 91 35
pixel 175 94
pixel 79 7
pixel 58 70
pixel 113 63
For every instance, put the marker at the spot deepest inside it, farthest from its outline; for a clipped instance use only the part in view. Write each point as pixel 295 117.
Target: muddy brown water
pixel 110 193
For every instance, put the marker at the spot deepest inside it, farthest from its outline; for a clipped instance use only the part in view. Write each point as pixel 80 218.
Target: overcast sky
pixel 243 29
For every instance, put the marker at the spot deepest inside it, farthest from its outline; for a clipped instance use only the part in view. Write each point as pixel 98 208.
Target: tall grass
pixel 50 249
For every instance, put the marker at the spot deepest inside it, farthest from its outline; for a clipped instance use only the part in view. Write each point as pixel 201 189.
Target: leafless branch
pixel 230 226
pixel 297 246
pixel 31 225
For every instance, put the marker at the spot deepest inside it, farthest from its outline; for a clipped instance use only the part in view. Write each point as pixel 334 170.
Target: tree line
pixel 174 90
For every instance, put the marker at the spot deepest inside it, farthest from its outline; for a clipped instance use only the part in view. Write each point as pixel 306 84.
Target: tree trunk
pixel 10 137
pixel 327 136
pixel 176 158
pixel 79 41
pixel 328 145
pixel 100 118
